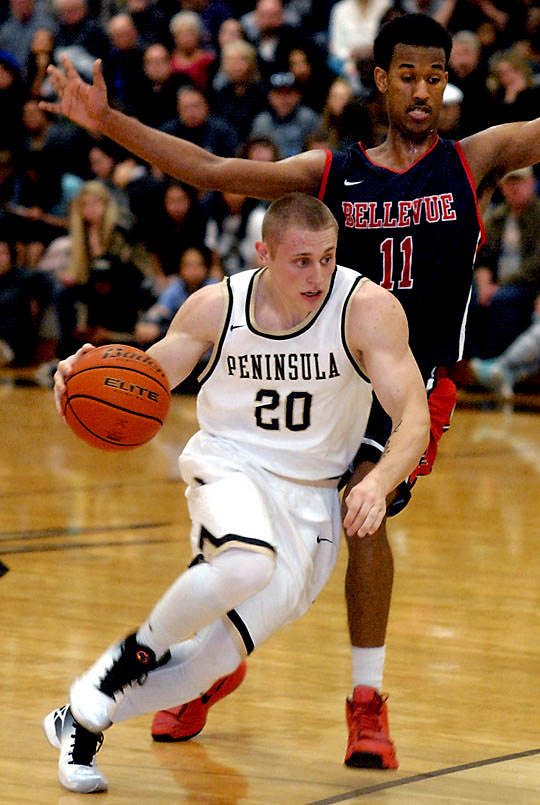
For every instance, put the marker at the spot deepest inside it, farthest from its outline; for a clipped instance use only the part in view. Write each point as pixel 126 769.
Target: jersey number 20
pixel 297 410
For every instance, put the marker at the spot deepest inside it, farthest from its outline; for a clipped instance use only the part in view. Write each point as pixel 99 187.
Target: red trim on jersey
pixel 377 165
pixel 470 177
pixel 326 171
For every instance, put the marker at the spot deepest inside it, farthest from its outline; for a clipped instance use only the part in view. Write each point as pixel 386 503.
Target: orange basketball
pixel 117 397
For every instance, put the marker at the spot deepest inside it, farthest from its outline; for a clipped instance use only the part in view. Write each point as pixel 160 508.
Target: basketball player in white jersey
pixel 298 347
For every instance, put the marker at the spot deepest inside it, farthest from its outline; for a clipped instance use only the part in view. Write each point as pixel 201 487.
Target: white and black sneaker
pixel 77 770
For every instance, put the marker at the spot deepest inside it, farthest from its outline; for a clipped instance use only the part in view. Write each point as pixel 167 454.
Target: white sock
pixel 202 594
pixel 368 666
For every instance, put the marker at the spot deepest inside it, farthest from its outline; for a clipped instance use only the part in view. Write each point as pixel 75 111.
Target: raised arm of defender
pixel 87 105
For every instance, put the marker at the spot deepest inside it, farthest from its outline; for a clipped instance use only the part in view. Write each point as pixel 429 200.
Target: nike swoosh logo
pixel 236 326
pixel 349 184
pixel 322 539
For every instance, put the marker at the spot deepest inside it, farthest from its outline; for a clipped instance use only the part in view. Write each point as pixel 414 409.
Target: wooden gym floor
pixel 92 539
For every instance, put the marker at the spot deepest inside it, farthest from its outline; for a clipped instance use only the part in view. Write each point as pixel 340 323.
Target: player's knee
pixel 247 572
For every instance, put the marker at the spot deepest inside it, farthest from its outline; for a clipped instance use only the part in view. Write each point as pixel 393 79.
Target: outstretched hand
pixel 85 104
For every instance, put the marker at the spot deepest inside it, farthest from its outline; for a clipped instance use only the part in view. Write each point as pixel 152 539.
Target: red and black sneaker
pixel 370 745
pixel 186 721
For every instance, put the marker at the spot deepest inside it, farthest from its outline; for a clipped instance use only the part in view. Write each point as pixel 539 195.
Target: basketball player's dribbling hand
pixel 366 507
pixel 85 104
pixel 63 371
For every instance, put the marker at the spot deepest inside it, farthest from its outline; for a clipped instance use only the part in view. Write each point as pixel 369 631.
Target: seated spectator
pixel 273 38
pixel 12 98
pixel 450 117
pixel 242 98
pixel 156 100
pixel 24 19
pixel 40 56
pixel 313 77
pixel 287 121
pixel 178 222
pixel 507 276
pixel 230 30
pixel 123 65
pixel 24 296
pixel 105 285
pixel 352 28
pixel 263 149
pixel 192 273
pixel 150 21
pixel 188 57
pixel 77 29
pixel 519 361
pixel 468 72
pixel 511 81
pixel 196 123
pixel 339 94
pixel 212 13
pixel 234 224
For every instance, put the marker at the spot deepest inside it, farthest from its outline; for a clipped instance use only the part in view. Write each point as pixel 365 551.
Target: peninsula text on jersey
pixel 283 366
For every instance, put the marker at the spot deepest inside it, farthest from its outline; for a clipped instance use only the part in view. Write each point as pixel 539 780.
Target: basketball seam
pixel 110 405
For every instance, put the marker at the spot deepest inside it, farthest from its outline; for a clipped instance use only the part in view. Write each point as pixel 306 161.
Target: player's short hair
pixel 410 29
pixel 296 209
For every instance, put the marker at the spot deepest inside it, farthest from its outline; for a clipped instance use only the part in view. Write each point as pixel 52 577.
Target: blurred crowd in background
pixel 97 246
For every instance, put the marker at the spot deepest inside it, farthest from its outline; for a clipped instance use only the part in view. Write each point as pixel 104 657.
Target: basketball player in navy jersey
pixel 409 217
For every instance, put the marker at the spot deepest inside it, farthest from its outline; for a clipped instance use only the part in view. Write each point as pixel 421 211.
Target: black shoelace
pixel 86 744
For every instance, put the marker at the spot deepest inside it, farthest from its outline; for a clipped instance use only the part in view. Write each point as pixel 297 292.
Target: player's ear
pixel 381 79
pixel 262 250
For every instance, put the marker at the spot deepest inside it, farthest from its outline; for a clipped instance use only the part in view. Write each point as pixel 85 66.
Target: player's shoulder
pixel 371 301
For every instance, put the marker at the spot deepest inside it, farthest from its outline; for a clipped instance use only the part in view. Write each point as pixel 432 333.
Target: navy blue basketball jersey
pixel 416 233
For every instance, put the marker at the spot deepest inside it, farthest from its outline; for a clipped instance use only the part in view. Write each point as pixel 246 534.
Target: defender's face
pixel 413 87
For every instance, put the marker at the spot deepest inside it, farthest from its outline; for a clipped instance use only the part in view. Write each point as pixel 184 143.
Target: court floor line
pixel 372 789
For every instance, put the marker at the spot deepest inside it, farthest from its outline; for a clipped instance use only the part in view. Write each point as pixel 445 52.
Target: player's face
pixel 413 87
pixel 302 263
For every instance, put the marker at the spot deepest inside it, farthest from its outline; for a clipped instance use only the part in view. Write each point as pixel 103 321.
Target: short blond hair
pixel 298 210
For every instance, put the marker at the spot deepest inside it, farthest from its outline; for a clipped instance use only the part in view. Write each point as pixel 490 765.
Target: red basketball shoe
pixel 370 746
pixel 186 721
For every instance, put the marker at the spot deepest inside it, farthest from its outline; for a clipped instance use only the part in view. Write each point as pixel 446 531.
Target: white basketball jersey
pixel 296 400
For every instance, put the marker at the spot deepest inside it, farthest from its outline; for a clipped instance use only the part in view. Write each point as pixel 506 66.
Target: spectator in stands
pixel 105 285
pixel 313 77
pixel 234 224
pixel 467 72
pixel 192 273
pixel 39 58
pixel 212 13
pixel 242 98
pixel 511 81
pixel 352 28
pixel 16 33
pixel 123 66
pixel 178 222
pixel 196 123
pixel 189 57
pixel 24 296
pixel 286 121
pixel 78 30
pixel 450 117
pixel 263 149
pixel 272 37
pixel 156 99
pixel 440 10
pixel 150 20
pixel 507 274
pixel 519 361
pixel 12 97
pixel 338 96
